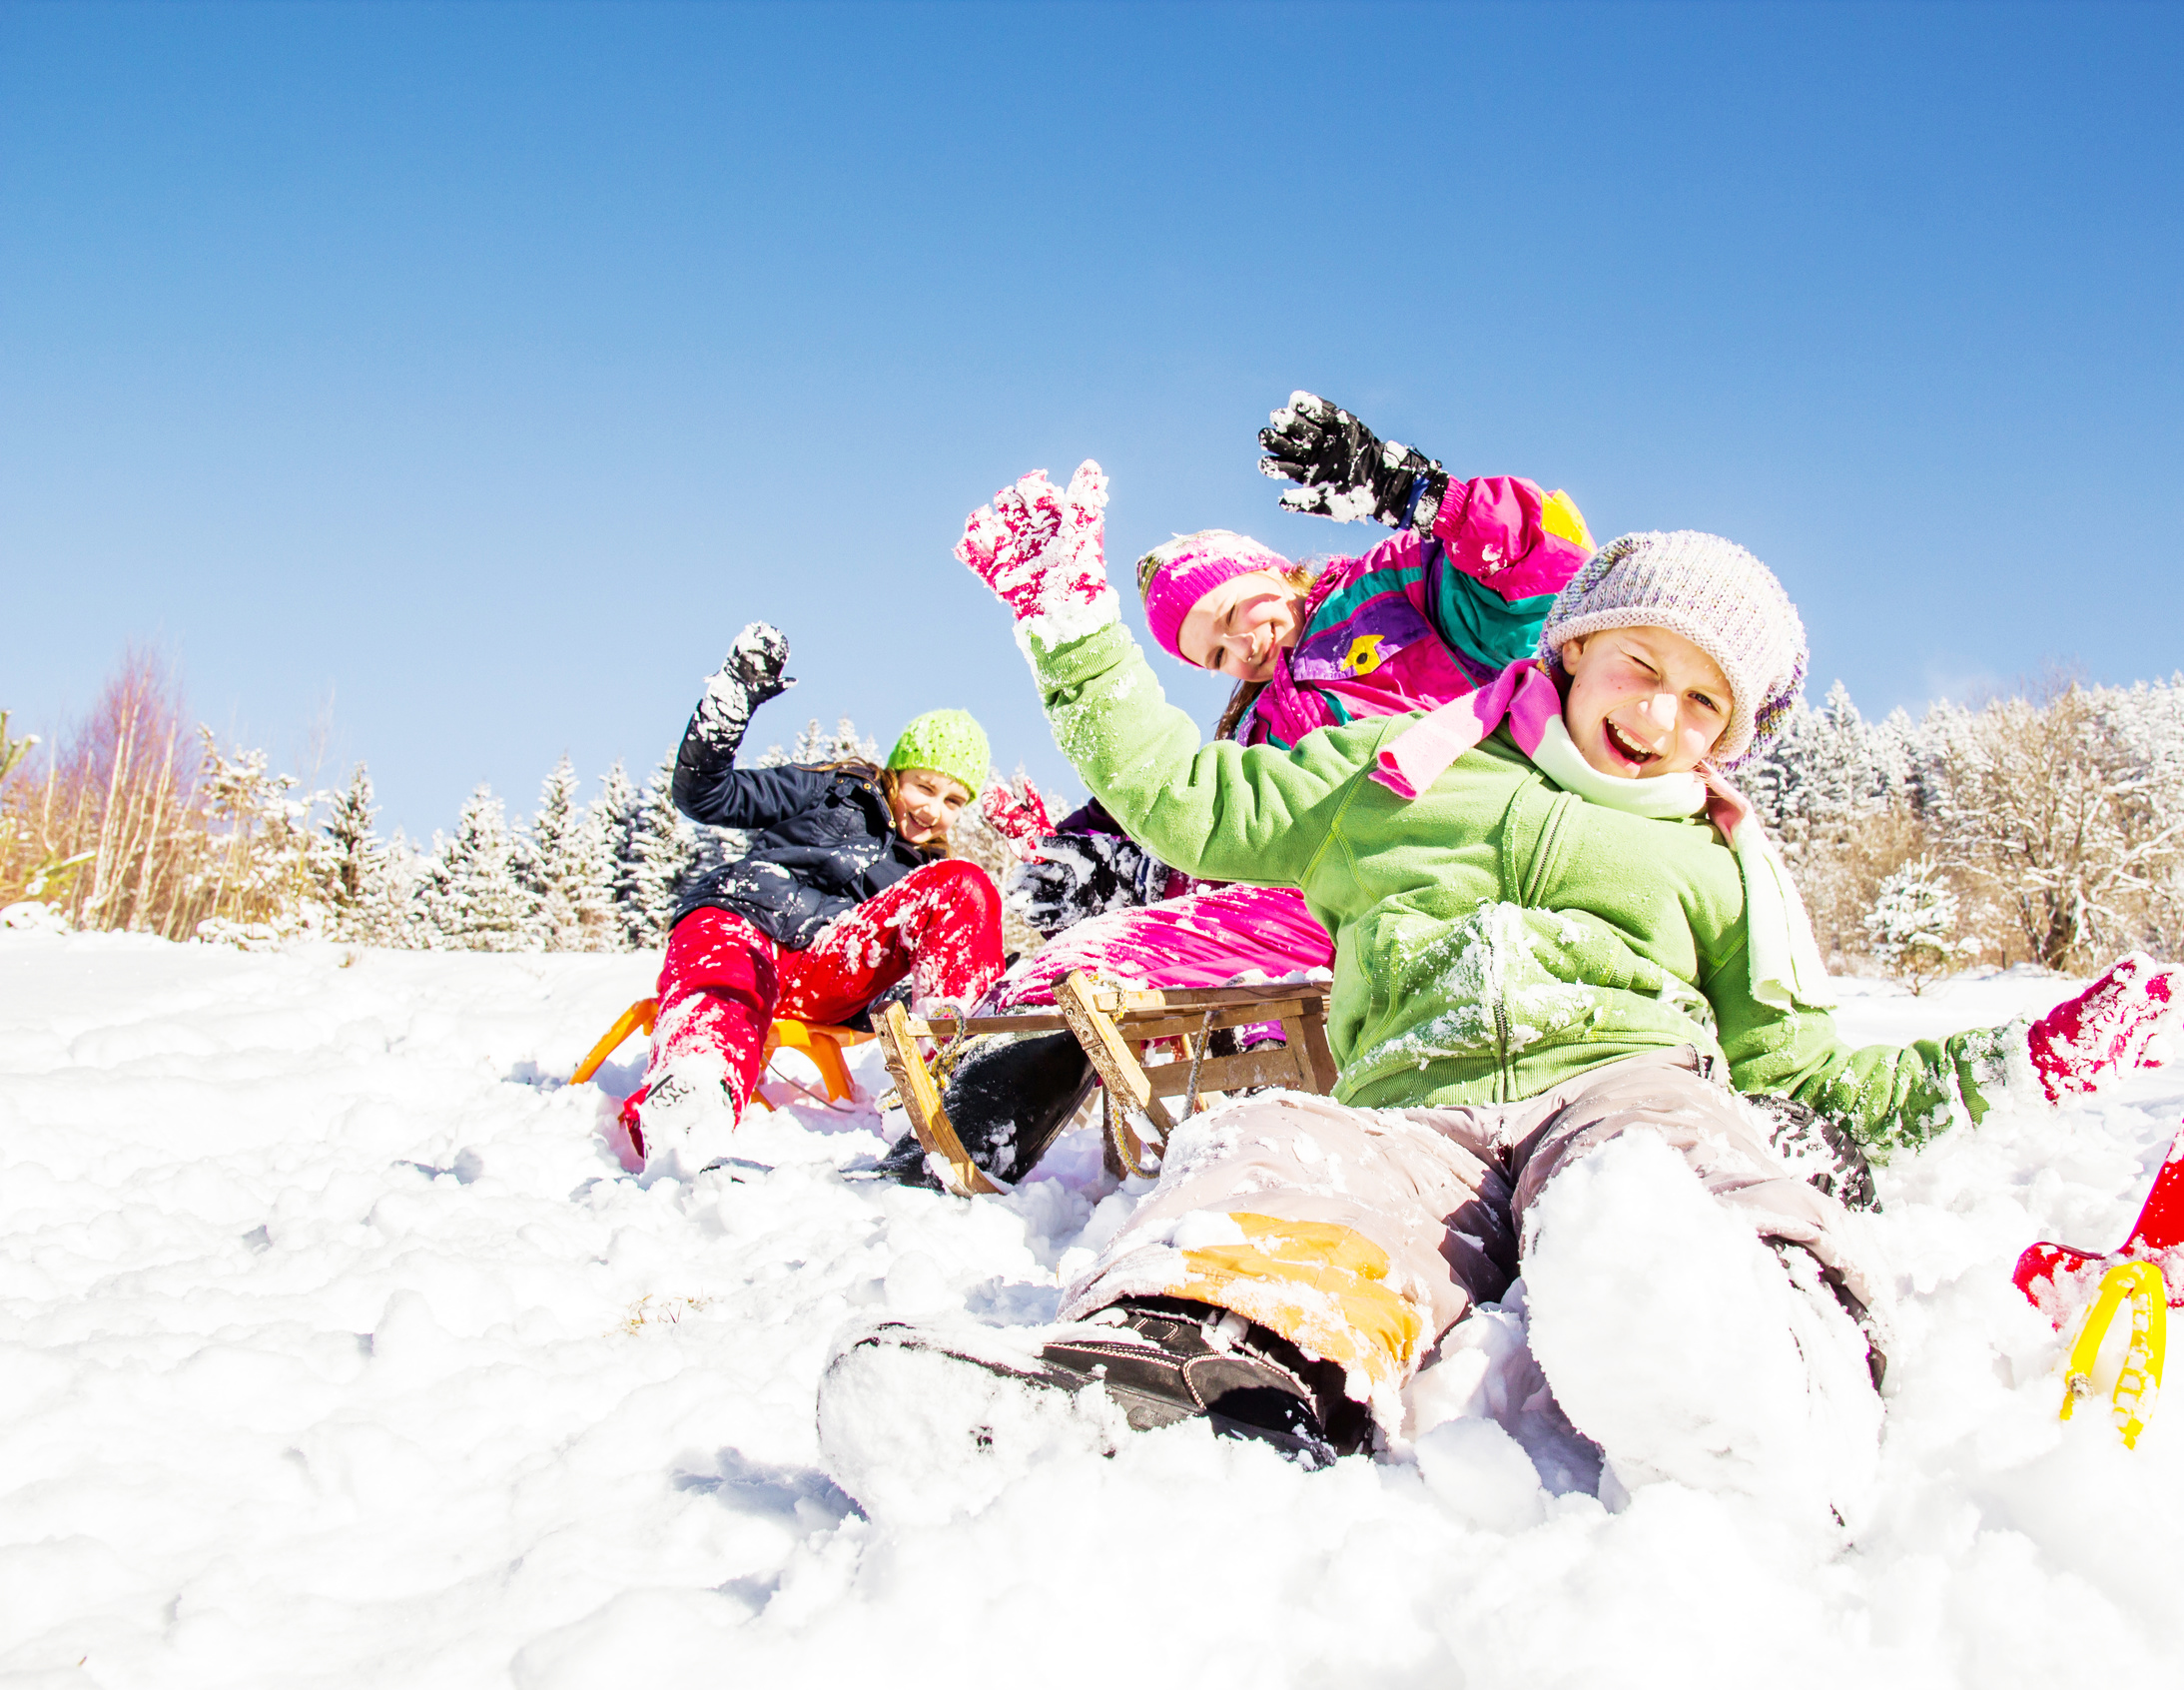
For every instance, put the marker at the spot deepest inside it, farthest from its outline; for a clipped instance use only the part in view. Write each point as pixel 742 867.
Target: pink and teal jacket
pixel 1418 621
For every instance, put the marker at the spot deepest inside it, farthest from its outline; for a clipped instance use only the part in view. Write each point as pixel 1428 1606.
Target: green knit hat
pixel 950 742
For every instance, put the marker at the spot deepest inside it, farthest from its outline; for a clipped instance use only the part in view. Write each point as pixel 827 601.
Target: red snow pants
pixel 723 982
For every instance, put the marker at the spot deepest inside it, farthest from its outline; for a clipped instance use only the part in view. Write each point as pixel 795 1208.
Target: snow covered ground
pixel 337 1349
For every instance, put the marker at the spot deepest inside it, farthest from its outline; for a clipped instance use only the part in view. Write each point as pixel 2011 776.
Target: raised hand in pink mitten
pixel 1040 550
pixel 2107 1029
pixel 1004 541
pixel 1021 821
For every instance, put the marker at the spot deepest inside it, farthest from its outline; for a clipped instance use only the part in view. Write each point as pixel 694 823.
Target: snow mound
pixel 1675 1339
pixel 338 1348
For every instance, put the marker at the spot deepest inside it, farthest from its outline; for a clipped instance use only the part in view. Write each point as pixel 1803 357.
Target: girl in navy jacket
pixel 845 890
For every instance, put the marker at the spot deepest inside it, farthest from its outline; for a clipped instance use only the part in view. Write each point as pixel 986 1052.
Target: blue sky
pixel 487 367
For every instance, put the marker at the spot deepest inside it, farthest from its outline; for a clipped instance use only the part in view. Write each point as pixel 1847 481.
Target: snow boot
pixel 1164 1359
pixel 1007 1097
pixel 684 1115
pixel 900 1403
pixel 1689 1350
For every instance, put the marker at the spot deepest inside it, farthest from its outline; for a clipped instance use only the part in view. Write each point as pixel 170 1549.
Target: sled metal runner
pixel 1115 1025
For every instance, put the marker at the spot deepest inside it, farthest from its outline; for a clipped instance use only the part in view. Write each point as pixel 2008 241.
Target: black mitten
pixel 1077 875
pixel 1345 471
pixel 748 676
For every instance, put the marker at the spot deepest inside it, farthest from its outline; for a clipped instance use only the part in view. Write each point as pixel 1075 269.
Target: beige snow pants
pixel 1363 1236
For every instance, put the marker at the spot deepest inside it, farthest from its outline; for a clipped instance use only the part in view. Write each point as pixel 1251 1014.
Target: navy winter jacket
pixel 822 840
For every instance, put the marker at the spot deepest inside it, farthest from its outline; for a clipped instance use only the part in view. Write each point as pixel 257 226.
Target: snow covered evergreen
pixel 350 854
pixel 562 865
pixel 472 898
pixel 2058 823
pixel 653 850
pixel 1914 926
pixel 840 744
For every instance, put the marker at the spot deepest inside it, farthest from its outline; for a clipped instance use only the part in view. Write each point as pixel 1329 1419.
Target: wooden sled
pixel 1114 1025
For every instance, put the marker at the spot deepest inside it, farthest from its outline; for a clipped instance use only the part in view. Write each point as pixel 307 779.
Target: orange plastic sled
pixel 824 1045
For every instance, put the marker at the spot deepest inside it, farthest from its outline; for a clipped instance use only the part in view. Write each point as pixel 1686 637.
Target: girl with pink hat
pixel 1426 616
pixel 1421 618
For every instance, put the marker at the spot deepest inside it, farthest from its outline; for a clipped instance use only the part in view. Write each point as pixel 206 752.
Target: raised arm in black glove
pixel 1345 471
pixel 748 676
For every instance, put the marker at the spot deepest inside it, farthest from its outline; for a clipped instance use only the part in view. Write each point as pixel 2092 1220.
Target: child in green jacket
pixel 1560 940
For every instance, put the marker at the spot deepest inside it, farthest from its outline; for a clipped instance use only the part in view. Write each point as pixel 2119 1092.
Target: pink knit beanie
pixel 1174 576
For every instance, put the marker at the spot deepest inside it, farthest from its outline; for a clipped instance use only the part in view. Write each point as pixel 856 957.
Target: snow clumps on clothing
pixel 1717 595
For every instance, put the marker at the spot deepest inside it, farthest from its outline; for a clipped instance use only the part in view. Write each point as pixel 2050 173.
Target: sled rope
pixel 1123 1138
pixel 945 1056
pixel 1197 1057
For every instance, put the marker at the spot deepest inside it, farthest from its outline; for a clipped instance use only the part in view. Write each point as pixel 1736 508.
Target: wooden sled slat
pixel 922 1102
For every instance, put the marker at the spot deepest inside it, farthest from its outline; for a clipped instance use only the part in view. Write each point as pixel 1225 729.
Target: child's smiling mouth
pixel 1619 743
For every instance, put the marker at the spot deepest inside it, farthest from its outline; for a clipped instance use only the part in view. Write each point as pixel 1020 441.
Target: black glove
pixel 748 676
pixel 1077 875
pixel 1347 471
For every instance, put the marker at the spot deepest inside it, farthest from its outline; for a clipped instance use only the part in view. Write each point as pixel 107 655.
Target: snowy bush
pixel 1913 928
pixel 106 826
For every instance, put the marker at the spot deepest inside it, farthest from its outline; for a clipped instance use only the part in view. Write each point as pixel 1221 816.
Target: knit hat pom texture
pixel 1717 595
pixel 949 741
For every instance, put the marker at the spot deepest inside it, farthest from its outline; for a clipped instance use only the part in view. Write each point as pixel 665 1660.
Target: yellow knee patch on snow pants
pixel 1322 1286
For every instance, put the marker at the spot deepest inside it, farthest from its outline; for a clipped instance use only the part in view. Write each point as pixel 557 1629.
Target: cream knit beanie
pixel 1717 595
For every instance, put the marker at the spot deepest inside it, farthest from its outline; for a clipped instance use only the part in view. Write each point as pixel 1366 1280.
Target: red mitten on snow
pixel 2108 1029
pixel 1021 821
pixel 1040 550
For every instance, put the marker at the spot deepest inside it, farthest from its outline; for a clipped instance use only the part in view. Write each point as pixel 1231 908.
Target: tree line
pixel 2044 827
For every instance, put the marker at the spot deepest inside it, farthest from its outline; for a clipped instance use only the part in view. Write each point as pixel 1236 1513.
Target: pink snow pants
pixel 723 982
pixel 1200 939
pixel 1362 1236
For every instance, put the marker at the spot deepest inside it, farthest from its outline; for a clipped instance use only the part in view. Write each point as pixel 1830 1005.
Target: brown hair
pixel 1299 578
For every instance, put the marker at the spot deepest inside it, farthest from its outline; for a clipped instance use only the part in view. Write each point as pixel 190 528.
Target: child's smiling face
pixel 1643 701
pixel 1242 626
pixel 926 804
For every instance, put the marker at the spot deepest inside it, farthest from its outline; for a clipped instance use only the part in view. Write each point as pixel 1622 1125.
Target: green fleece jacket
pixel 1496 936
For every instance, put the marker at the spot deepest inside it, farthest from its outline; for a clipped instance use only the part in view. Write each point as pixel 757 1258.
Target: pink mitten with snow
pixel 1022 822
pixel 1041 551
pixel 2108 1029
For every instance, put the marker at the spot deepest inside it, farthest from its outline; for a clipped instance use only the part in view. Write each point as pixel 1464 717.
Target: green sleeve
pixel 1888 1097
pixel 1221 812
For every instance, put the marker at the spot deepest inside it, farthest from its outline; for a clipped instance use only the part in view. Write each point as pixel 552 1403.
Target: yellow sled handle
pixel 642 1012
pixel 2138 1387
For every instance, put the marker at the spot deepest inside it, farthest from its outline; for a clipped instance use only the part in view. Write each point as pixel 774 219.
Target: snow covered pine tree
pixel 564 868
pixel 471 899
